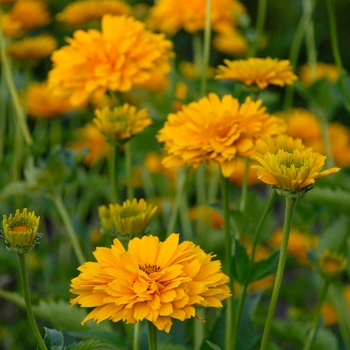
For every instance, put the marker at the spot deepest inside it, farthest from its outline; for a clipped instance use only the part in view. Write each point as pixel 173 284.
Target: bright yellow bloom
pixel 332 264
pixel 32 48
pixel 321 71
pixel 20 231
pixel 90 141
pixel 120 123
pixel 30 13
pixel 42 104
pixel 170 16
pixel 84 11
pixel 258 71
pixel 217 130
pixel 152 280
pixel 292 171
pixel 231 42
pixel 123 56
pixel 131 218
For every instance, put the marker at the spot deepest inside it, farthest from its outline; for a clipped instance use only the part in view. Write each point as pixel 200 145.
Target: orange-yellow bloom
pixel 292 171
pixel 258 71
pixel 84 11
pixel 122 56
pixel 217 130
pixel 320 71
pixel 152 280
pixel 10 28
pixel 231 42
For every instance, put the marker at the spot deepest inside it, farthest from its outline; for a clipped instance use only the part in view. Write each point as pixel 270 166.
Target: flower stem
pixel 62 210
pixel 314 328
pixel 288 219
pixel 26 296
pixel 243 201
pixel 114 173
pixel 136 336
pixel 152 336
pixel 260 22
pixel 128 171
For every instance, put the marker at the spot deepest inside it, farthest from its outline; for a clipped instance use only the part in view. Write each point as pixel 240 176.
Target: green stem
pixel 114 167
pixel 243 201
pixel 288 219
pixel 128 171
pixel 326 141
pixel 63 212
pixel 136 341
pixel 313 331
pixel 26 296
pixel 260 23
pixel 152 336
pixel 200 197
pixel 12 90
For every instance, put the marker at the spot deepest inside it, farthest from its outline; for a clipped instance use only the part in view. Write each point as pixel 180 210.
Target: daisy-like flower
pixel 84 11
pixel 131 218
pixel 292 172
pixel 332 264
pixel 217 130
pixel 32 48
pixel 152 280
pixel 20 232
pixel 30 13
pixel 42 104
pixel 257 71
pixel 89 139
pixel 121 57
pixel 320 71
pixel 120 123
pixel 169 16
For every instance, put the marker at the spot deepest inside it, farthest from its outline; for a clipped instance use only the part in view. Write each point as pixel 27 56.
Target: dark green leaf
pixel 92 344
pixel 213 346
pixel 265 267
pixel 240 264
pixel 53 338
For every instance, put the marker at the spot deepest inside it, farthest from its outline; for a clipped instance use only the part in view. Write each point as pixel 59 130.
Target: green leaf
pixel 105 336
pixel 53 338
pixel 240 264
pixel 213 346
pixel 265 267
pixel 169 346
pixel 91 344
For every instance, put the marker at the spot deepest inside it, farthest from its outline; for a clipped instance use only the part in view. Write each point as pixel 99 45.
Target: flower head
pixel 84 11
pixel 321 70
pixel 216 130
pixel 120 123
pixel 292 172
pixel 122 56
pixel 131 218
pixel 231 42
pixel 332 265
pixel 10 28
pixel 170 16
pixel 32 48
pixel 258 71
pixel 20 231
pixel 152 280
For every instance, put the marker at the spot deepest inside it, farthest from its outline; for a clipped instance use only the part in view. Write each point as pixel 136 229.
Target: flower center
pixel 20 229
pixel 148 268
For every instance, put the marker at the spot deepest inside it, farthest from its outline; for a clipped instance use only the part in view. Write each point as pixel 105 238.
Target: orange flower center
pixel 21 229
pixel 148 268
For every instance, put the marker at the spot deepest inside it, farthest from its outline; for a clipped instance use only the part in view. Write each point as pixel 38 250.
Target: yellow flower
pixel 152 280
pixel 292 171
pixel 10 28
pixel 258 71
pixel 321 71
pixel 190 71
pixel 131 218
pixel 42 104
pixel 120 123
pixel 90 140
pixel 30 13
pixel 231 42
pixel 332 265
pixel 84 11
pixel 208 215
pixel 123 56
pixel 20 231
pixel 237 176
pixel 32 48
pixel 216 130
pixel 170 16
pixel 340 143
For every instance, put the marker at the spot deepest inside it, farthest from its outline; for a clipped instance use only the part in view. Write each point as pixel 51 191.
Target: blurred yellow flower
pixel 89 139
pixel 81 12
pixel 32 48
pixel 190 71
pixel 237 176
pixel 170 16
pixel 340 143
pixel 321 70
pixel 258 71
pixel 208 215
pixel 332 264
pixel 217 130
pixel 231 42
pixel 42 104
pixel 30 14
pixel 292 171
pixel 122 56
pixel 121 123
pixel 152 280
pixel 10 28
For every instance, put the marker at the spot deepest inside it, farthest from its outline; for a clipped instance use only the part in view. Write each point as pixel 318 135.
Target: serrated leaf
pixel 91 344
pixel 240 264
pixel 213 346
pixel 53 338
pixel 109 337
pixel 265 267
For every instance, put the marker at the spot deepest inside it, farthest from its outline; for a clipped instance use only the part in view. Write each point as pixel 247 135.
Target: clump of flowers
pixel 20 231
pixel 130 218
pixel 127 56
pixel 259 72
pixel 121 123
pixel 216 130
pixel 151 280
